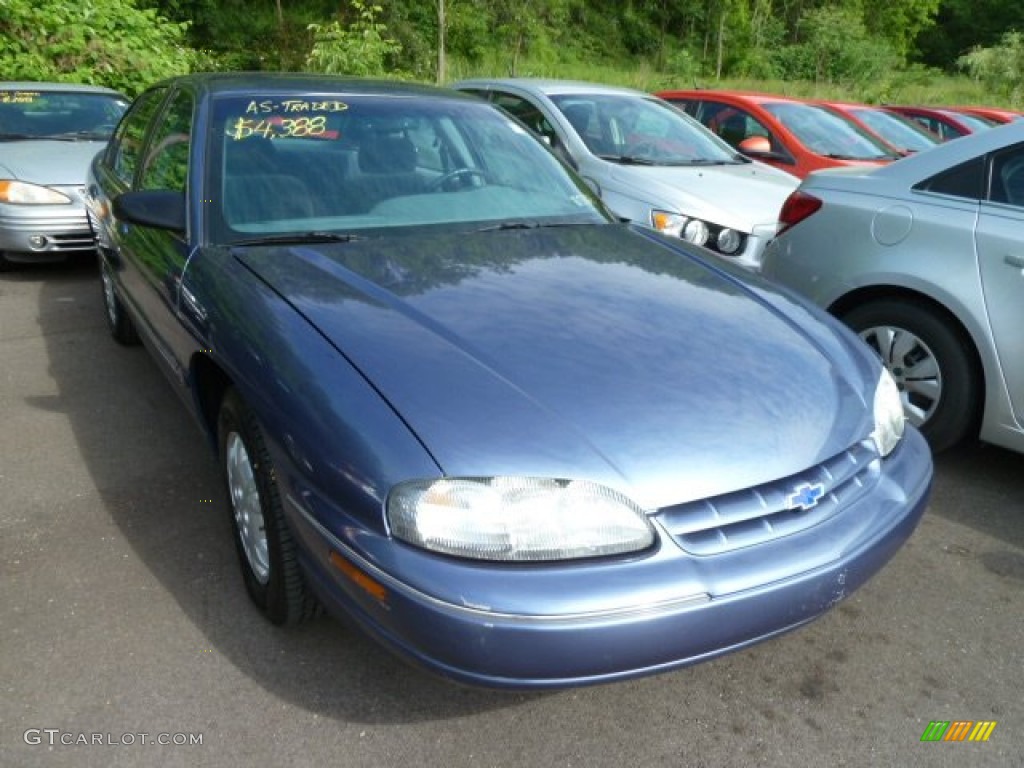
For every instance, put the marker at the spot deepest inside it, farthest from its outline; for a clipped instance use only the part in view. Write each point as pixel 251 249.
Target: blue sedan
pixel 517 441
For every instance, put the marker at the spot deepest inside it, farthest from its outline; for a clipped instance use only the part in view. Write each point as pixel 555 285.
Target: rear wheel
pixel 932 363
pixel 266 550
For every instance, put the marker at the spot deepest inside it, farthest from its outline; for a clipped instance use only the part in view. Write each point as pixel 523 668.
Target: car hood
pixel 592 351
pixel 739 196
pixel 42 161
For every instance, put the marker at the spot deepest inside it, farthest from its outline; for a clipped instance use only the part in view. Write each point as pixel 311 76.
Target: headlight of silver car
pixel 889 418
pixel 721 239
pixel 20 193
pixel 517 518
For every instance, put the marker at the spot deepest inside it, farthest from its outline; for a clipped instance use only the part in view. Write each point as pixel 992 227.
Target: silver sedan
pixel 924 259
pixel 651 163
pixel 49 133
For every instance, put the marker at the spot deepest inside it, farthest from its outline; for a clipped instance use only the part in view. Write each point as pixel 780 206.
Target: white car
pixel 651 163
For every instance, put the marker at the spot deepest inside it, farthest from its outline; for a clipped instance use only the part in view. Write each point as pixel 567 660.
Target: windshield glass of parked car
pixel 898 131
pixel 26 114
pixel 287 163
pixel 626 128
pixel 827 134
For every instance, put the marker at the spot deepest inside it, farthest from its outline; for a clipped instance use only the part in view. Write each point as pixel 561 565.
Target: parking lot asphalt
pixel 124 622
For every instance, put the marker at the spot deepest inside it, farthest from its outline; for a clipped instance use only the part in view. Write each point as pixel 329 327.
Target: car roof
pixel 240 82
pixel 548 86
pixel 749 96
pixel 48 87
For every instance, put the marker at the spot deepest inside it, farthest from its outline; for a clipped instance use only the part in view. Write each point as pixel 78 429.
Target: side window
pixel 166 164
pixel 531 117
pixel 731 124
pixel 126 146
pixel 1007 181
pixel 966 180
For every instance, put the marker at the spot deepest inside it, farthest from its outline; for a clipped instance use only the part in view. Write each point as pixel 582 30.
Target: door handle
pixel 1014 260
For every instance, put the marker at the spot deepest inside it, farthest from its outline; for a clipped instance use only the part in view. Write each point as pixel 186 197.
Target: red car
pixel 946 123
pixel 791 134
pixel 901 133
pixel 992 114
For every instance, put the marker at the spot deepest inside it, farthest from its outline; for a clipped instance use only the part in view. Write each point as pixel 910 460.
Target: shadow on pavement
pixel 158 481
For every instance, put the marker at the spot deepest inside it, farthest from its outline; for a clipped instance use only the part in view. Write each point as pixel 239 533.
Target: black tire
pixel 120 325
pixel 905 334
pixel 272 574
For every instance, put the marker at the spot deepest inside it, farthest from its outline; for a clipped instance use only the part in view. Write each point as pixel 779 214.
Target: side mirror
pixel 755 145
pixel 157 208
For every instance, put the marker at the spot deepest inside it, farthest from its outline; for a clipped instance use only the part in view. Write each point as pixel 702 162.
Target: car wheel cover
pixel 245 501
pixel 914 367
pixel 108 296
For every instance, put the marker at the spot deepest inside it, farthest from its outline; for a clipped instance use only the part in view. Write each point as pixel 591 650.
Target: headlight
pixel 717 238
pixel 20 193
pixel 668 223
pixel 889 418
pixel 517 519
pixel 729 241
pixel 696 231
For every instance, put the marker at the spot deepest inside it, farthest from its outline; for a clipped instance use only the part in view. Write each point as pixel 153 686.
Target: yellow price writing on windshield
pixel 281 128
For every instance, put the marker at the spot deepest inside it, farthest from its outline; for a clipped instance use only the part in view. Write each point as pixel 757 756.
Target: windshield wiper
pixel 714 161
pixel 529 224
pixel 17 136
pixel 628 159
pixel 299 238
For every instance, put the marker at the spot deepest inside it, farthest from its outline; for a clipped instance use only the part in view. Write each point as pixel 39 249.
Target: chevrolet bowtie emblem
pixel 805 496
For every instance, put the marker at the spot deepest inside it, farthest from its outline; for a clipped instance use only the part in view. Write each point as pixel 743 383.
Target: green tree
pixel 102 42
pixel 1000 67
pixel 899 21
pixel 362 47
pixel 836 47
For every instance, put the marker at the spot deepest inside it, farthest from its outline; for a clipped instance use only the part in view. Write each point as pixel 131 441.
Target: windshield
pixel 339 163
pixel 27 114
pixel 627 128
pixel 898 131
pixel 828 134
pixel 974 122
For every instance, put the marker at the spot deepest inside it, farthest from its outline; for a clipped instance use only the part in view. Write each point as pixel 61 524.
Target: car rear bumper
pixel 488 646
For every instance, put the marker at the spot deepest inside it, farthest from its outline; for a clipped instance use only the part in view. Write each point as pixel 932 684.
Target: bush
pixel 100 42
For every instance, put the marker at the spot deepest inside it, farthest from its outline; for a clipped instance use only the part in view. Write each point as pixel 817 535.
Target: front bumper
pixel 586 623
pixel 32 233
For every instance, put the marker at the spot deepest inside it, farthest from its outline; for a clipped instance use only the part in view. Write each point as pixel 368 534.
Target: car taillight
pixel 798 206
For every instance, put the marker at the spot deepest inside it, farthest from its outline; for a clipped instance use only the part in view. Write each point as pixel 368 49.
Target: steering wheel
pixel 463 175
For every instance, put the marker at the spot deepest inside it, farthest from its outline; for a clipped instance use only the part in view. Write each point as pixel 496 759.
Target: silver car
pixel 924 259
pixel 651 163
pixel 49 133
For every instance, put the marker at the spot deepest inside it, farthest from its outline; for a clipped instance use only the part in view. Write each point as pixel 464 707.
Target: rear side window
pixel 1008 176
pixel 966 180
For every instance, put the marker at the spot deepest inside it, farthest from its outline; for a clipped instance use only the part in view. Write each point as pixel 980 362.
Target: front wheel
pixel 266 549
pixel 120 325
pixel 932 363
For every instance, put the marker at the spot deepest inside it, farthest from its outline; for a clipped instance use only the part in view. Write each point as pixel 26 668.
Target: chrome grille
pixel 757 515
